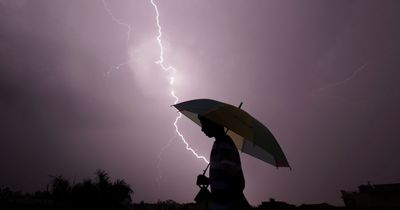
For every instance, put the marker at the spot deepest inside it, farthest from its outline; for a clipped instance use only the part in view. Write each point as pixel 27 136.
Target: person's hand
pixel 202 180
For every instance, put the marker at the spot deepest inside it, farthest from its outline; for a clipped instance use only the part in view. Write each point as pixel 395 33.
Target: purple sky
pixel 322 75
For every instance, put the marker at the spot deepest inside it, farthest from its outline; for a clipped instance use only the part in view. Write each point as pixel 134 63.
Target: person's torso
pixel 225 167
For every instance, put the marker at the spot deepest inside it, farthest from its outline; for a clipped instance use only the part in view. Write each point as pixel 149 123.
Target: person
pixel 226 176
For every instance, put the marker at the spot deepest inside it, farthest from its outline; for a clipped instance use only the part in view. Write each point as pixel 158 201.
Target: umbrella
pixel 249 135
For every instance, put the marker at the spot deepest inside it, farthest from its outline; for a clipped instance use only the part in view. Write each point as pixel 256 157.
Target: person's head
pixel 210 128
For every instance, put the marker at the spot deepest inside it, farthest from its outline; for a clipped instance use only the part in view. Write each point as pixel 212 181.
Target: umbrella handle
pixel 205 170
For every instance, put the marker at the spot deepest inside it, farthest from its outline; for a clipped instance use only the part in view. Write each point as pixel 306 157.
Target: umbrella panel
pixel 250 136
pixel 245 146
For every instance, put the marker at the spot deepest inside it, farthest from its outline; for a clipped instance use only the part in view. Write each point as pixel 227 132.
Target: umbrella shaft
pixel 205 170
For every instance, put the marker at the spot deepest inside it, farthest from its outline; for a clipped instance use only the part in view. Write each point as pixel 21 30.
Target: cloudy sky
pixel 322 75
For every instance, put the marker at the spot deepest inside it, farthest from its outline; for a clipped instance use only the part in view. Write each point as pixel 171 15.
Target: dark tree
pixel 60 190
pixel 97 193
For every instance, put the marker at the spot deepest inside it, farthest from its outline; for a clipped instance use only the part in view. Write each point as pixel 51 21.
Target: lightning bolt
pixel 118 21
pixel 172 71
pixel 158 179
pixel 128 35
pixel 341 82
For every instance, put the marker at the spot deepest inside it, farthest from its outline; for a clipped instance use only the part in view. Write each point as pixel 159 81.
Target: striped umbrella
pixel 249 135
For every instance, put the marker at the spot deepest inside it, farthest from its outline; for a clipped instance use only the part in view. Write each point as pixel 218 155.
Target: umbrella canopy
pixel 249 135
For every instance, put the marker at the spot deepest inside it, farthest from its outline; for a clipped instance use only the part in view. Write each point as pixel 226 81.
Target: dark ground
pixel 103 193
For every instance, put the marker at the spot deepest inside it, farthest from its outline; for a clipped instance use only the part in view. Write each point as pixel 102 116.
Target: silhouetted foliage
pixel 61 190
pixel 100 193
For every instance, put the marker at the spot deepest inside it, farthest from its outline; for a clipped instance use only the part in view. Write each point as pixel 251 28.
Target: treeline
pixel 97 193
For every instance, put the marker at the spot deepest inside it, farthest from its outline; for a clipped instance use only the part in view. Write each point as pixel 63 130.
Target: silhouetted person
pixel 226 175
